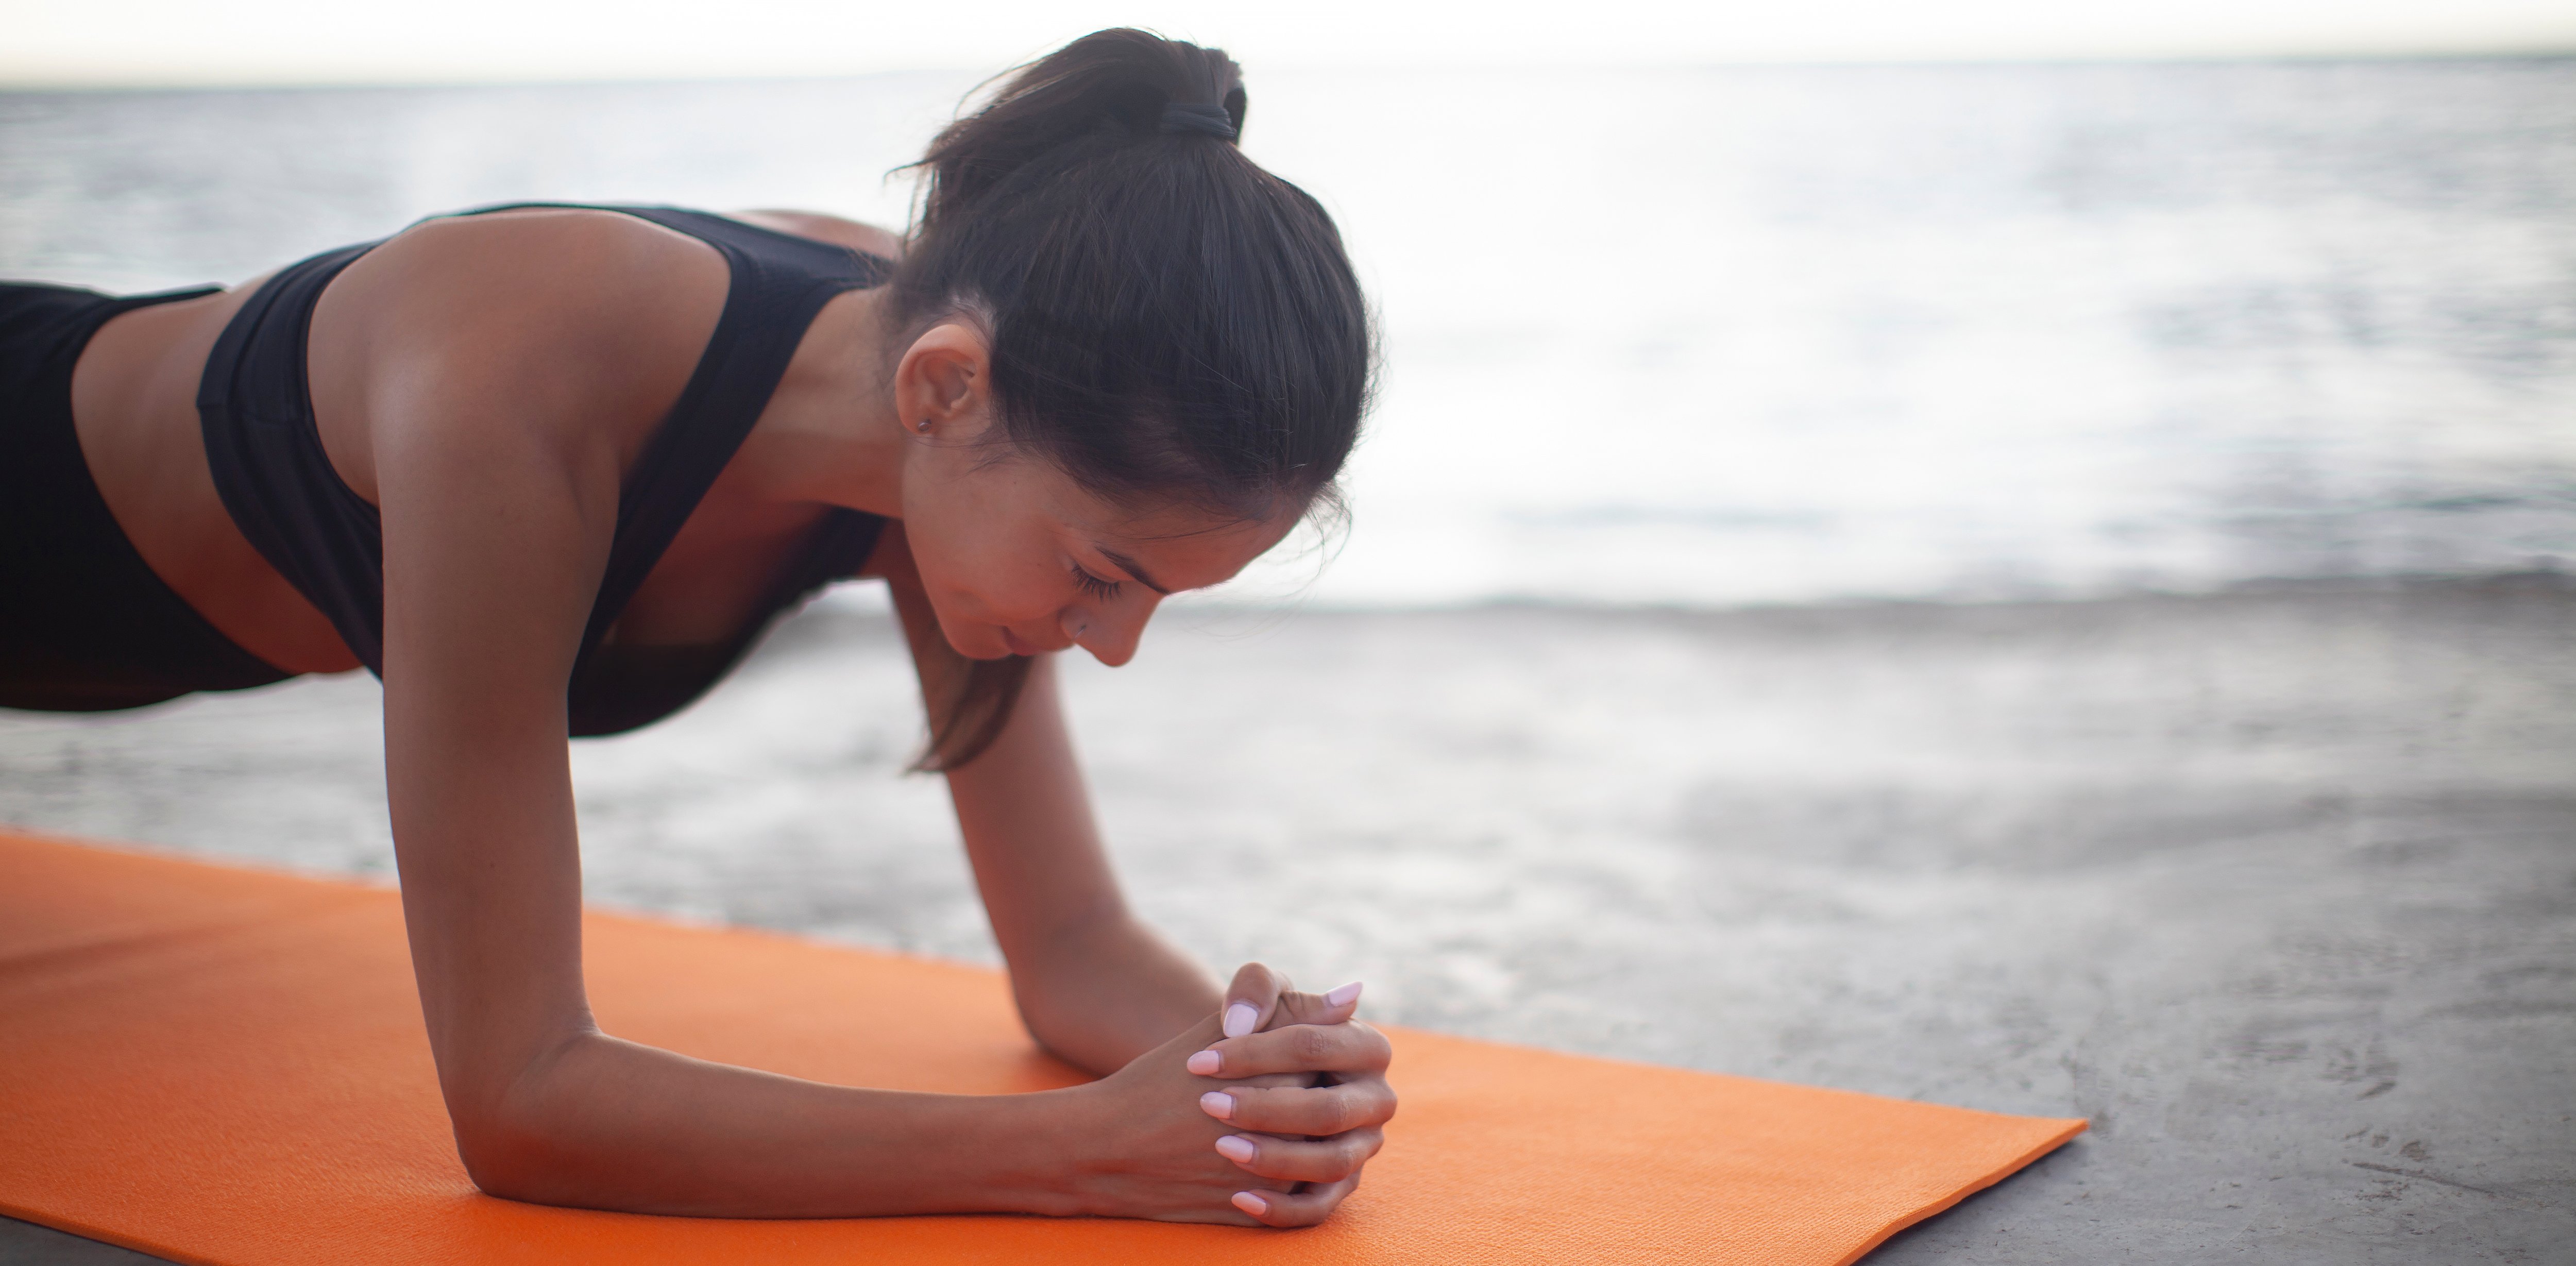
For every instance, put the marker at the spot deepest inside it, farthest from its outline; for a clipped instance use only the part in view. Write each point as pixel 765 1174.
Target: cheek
pixel 983 571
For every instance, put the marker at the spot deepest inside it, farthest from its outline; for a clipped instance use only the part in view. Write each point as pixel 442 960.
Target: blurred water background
pixel 1697 337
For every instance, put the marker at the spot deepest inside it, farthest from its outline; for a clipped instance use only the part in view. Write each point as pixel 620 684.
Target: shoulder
pixel 866 238
pixel 576 298
pixel 559 327
pixel 543 263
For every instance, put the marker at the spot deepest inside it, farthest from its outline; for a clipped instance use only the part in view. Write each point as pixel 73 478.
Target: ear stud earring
pixel 923 426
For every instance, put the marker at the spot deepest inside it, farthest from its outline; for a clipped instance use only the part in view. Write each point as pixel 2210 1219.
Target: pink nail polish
pixel 1206 1063
pixel 1240 1018
pixel 1218 1104
pixel 1250 1203
pixel 1344 996
pixel 1237 1149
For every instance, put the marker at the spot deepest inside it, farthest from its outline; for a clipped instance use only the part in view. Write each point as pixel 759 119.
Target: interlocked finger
pixel 1298 1160
pixel 1351 1047
pixel 1304 1208
pixel 1260 999
pixel 1302 1110
pixel 1252 1000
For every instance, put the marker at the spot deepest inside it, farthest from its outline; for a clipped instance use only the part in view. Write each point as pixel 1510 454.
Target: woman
pixel 549 470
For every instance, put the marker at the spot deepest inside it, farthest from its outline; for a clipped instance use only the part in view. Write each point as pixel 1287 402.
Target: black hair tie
pixel 1193 116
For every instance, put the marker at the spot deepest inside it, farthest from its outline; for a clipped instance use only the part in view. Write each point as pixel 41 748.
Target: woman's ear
pixel 944 379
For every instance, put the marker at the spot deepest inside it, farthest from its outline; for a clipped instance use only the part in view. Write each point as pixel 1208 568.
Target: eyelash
pixel 1104 590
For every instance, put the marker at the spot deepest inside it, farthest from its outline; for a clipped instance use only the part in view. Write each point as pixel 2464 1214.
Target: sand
pixel 2278 886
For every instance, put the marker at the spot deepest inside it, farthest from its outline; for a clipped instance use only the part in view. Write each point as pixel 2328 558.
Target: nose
pixel 1110 635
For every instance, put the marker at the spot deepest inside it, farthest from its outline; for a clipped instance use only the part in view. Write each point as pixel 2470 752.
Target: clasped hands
pixel 1261 1115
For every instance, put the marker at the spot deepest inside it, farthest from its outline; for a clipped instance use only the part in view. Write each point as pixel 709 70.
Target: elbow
pixel 510 1155
pixel 516 1139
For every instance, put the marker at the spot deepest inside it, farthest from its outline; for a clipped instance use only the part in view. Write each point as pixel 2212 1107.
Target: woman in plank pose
pixel 550 470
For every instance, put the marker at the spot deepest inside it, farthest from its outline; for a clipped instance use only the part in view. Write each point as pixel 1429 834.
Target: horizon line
pixel 31 79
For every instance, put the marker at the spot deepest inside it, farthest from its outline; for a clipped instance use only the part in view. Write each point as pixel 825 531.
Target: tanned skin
pixel 487 382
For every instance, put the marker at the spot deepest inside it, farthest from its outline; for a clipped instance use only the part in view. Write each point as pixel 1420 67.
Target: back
pixel 277 481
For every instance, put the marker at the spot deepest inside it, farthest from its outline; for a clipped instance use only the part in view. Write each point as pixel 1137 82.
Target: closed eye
pixel 1104 590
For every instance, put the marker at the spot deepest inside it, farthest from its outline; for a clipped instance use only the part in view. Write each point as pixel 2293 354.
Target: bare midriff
pixel 134 403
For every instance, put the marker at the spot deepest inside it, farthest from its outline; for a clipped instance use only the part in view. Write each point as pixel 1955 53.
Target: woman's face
pixel 1017 558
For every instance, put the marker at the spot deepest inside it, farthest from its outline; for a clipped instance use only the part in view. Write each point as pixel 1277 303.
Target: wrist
pixel 1063 1146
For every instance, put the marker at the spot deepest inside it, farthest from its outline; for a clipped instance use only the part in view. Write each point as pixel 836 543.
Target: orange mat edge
pixel 73 1226
pixel 2074 1126
pixel 110 858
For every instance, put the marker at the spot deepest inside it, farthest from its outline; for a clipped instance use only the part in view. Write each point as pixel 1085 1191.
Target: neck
pixel 830 434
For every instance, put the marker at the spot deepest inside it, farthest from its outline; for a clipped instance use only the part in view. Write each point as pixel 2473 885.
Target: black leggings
pixel 85 625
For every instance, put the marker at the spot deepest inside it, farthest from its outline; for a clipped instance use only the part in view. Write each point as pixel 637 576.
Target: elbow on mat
pixel 521 1138
pixel 516 1158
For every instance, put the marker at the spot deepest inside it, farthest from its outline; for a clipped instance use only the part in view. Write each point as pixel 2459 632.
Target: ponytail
pixel 1093 94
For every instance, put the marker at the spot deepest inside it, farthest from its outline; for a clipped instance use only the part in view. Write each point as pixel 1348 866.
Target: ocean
pixel 1702 338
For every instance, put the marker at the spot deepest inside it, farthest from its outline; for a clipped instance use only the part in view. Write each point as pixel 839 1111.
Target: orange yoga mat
pixel 217 1064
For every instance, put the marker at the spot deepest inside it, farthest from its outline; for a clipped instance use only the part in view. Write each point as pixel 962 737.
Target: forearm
pixel 1105 992
pixel 603 1123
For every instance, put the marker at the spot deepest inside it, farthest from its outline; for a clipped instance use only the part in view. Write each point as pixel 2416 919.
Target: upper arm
pixel 492 383
pixel 493 380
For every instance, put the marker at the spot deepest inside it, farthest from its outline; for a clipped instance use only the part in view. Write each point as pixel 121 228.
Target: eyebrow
pixel 1128 565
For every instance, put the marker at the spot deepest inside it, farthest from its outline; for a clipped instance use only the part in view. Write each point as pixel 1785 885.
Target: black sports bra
pixel 275 479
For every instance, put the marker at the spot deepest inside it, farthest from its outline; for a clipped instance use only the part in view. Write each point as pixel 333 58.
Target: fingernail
pixel 1344 996
pixel 1218 1104
pixel 1205 1063
pixel 1240 1018
pixel 1237 1149
pixel 1250 1203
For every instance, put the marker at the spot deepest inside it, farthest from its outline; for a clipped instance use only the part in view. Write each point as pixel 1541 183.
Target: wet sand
pixel 2278 886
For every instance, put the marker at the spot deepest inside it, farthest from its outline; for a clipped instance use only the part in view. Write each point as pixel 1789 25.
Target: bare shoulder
pixel 828 228
pixel 566 327
pixel 615 276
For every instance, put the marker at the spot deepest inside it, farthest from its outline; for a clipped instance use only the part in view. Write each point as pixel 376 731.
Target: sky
pixel 146 43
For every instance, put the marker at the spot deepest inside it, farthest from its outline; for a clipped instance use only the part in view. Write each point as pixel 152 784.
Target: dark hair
pixel 1171 325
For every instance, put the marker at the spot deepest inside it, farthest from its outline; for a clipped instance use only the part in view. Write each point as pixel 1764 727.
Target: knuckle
pixel 1309 1043
pixel 1379 1050
pixel 1383 1109
pixel 1349 1112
